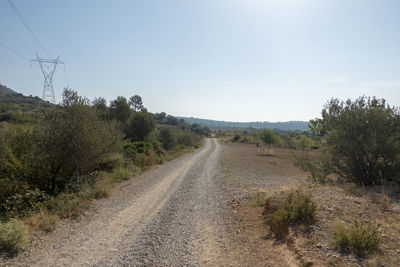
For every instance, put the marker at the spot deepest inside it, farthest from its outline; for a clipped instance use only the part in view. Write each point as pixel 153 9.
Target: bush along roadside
pixel 74 153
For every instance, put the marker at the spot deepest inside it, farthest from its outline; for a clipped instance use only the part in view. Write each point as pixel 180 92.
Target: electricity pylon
pixel 48 67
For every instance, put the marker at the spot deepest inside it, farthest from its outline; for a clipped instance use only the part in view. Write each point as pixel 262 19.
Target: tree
pixel 160 117
pixel 136 102
pixel 140 126
pixel 74 141
pixel 71 97
pixel 171 120
pixel 303 142
pixel 69 141
pixel 120 110
pixel 268 137
pixel 100 105
pixel 167 137
pixel 363 138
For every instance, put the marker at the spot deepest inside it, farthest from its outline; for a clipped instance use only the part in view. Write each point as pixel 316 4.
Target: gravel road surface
pixel 168 216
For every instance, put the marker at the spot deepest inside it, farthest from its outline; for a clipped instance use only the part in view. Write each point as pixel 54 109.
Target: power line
pixel 14 8
pixel 13 51
pixel 13 62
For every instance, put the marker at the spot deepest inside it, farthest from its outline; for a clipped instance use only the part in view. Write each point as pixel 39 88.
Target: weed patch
pixel 68 205
pixel 359 238
pixel 43 221
pixel 14 236
pixel 118 174
pixel 296 209
pixel 102 189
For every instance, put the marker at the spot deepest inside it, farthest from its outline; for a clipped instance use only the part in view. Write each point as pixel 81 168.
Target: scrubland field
pixel 254 177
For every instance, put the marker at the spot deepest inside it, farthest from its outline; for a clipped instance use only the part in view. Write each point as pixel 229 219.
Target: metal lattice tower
pixel 48 67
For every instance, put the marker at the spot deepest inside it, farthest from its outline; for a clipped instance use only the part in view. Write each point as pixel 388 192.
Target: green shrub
pixel 133 148
pixel 236 137
pixel 111 161
pixel 16 199
pixel 187 139
pixel 319 170
pixel 140 125
pixel 360 238
pixel 117 175
pixel 70 140
pixel 304 142
pixel 167 137
pixel 121 174
pixel 362 137
pixel 14 236
pixel 296 209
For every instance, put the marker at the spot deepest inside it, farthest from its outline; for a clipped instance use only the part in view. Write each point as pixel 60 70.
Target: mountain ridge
pixel 284 125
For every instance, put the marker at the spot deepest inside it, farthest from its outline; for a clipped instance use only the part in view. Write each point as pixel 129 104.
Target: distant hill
pixel 287 125
pixel 9 97
pixel 15 107
pixel 4 90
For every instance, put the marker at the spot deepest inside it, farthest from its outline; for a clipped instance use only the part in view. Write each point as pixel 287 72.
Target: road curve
pixel 166 216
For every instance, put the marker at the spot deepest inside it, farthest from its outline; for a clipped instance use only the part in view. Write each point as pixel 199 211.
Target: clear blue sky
pixel 237 60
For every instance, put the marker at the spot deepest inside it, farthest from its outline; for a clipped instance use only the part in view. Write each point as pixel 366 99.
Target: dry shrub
pixel 360 238
pixel 68 205
pixel 14 236
pixel 43 221
pixel 355 190
pixel 102 189
pixel 382 200
pixel 120 174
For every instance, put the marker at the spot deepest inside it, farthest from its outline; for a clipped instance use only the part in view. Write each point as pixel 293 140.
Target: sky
pixel 232 60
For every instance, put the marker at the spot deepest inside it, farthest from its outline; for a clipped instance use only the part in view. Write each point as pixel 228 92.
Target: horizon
pixel 234 61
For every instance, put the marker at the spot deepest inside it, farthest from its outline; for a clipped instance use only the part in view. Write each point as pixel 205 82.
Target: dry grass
pixel 42 221
pixel 102 189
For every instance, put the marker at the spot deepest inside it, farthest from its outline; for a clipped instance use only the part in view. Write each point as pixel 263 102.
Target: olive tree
pixel 268 137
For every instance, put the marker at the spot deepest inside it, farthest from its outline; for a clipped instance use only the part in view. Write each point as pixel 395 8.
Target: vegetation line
pixel 55 159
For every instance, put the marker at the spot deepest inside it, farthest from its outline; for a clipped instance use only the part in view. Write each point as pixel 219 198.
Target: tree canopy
pixel 363 137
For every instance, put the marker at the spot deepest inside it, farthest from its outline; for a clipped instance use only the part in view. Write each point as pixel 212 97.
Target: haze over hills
pixel 287 125
pixel 9 96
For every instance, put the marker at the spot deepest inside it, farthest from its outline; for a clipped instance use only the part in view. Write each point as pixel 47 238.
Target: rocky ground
pixel 252 177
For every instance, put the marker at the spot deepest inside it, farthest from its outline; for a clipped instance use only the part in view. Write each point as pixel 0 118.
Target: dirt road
pixel 166 216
